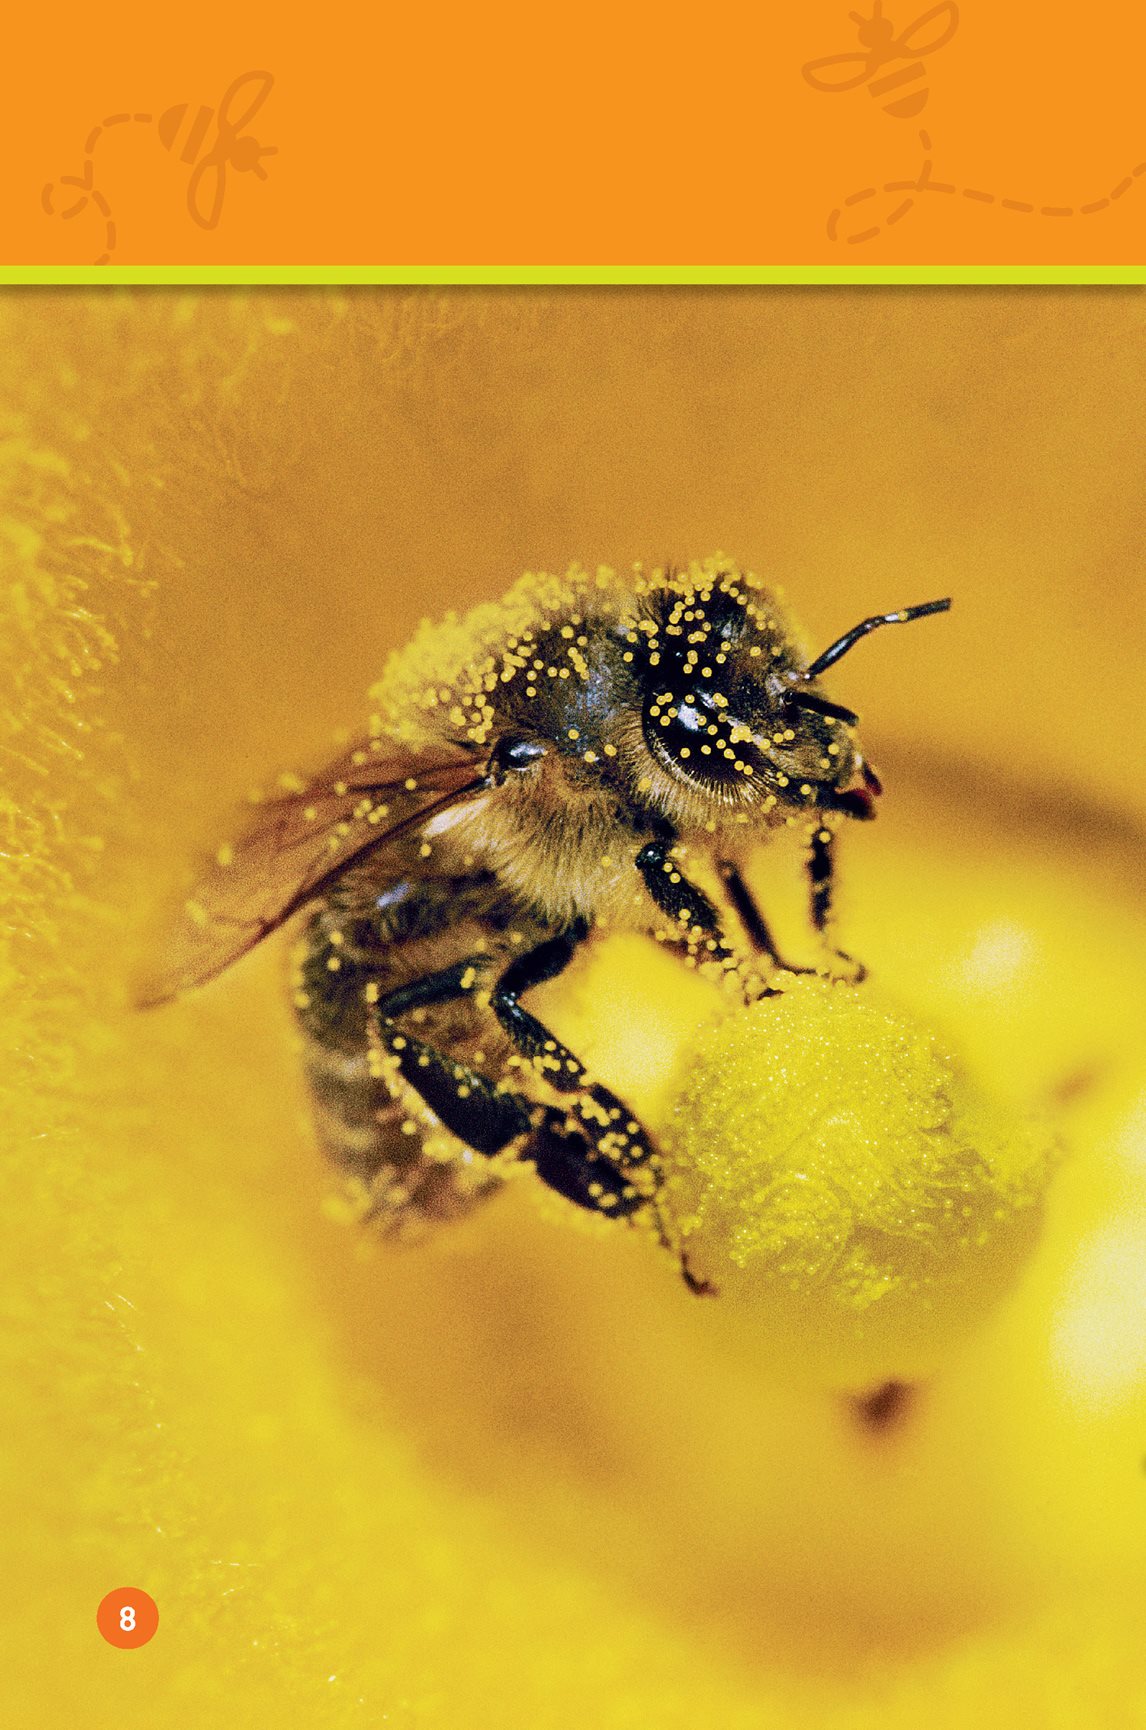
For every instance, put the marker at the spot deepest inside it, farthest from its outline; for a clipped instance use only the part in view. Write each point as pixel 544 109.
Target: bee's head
pixel 732 714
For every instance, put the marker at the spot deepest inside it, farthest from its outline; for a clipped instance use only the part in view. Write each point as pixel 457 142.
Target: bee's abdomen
pixel 403 1170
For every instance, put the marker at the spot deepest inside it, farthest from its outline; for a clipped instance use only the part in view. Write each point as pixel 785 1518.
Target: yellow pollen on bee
pixel 372 992
pixel 644 785
pixel 755 651
pixel 410 784
pixel 684 751
pixel 531 690
pixel 574 733
pixel 425 850
pixel 225 855
pixel 333 963
pixel 610 750
pixel 310 813
pixel 590 756
pixel 467 978
pixel 290 783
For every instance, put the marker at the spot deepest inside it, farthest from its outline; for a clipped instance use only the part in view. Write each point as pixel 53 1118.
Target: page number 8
pixel 127 1617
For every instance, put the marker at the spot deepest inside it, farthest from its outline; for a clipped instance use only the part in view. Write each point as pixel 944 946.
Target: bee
pixel 566 760
pixel 880 45
pixel 185 130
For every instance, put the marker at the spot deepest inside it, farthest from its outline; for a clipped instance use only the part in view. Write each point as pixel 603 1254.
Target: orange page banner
pixel 886 134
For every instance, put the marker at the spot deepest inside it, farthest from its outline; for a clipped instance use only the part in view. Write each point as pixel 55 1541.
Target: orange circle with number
pixel 127 1617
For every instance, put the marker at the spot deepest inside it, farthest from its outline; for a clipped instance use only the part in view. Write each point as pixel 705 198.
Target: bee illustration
pixel 567 759
pixel 928 33
pixel 184 130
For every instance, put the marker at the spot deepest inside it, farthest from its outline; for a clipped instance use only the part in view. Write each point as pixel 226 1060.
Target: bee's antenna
pixel 850 638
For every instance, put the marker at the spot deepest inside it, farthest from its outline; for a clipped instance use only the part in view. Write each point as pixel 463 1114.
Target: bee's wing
pixel 908 42
pixel 205 190
pixel 261 82
pixel 297 842
pixel 839 80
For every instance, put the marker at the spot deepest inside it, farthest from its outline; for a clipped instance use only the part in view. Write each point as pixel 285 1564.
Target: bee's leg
pixel 753 921
pixel 469 1105
pixel 821 880
pixel 615 1131
pixel 580 1163
pixel 687 906
pixel 588 1154
pixel 592 1159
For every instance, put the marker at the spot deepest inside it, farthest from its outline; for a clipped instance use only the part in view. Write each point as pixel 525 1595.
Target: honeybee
pixel 881 45
pixel 186 129
pixel 547 766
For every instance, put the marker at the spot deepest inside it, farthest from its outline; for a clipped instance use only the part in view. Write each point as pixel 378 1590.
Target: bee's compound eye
pixel 512 755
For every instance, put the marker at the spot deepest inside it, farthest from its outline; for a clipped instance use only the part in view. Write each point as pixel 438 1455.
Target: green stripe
pixel 573 275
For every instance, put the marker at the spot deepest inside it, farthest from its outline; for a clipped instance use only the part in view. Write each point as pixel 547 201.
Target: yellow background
pixel 518 1479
